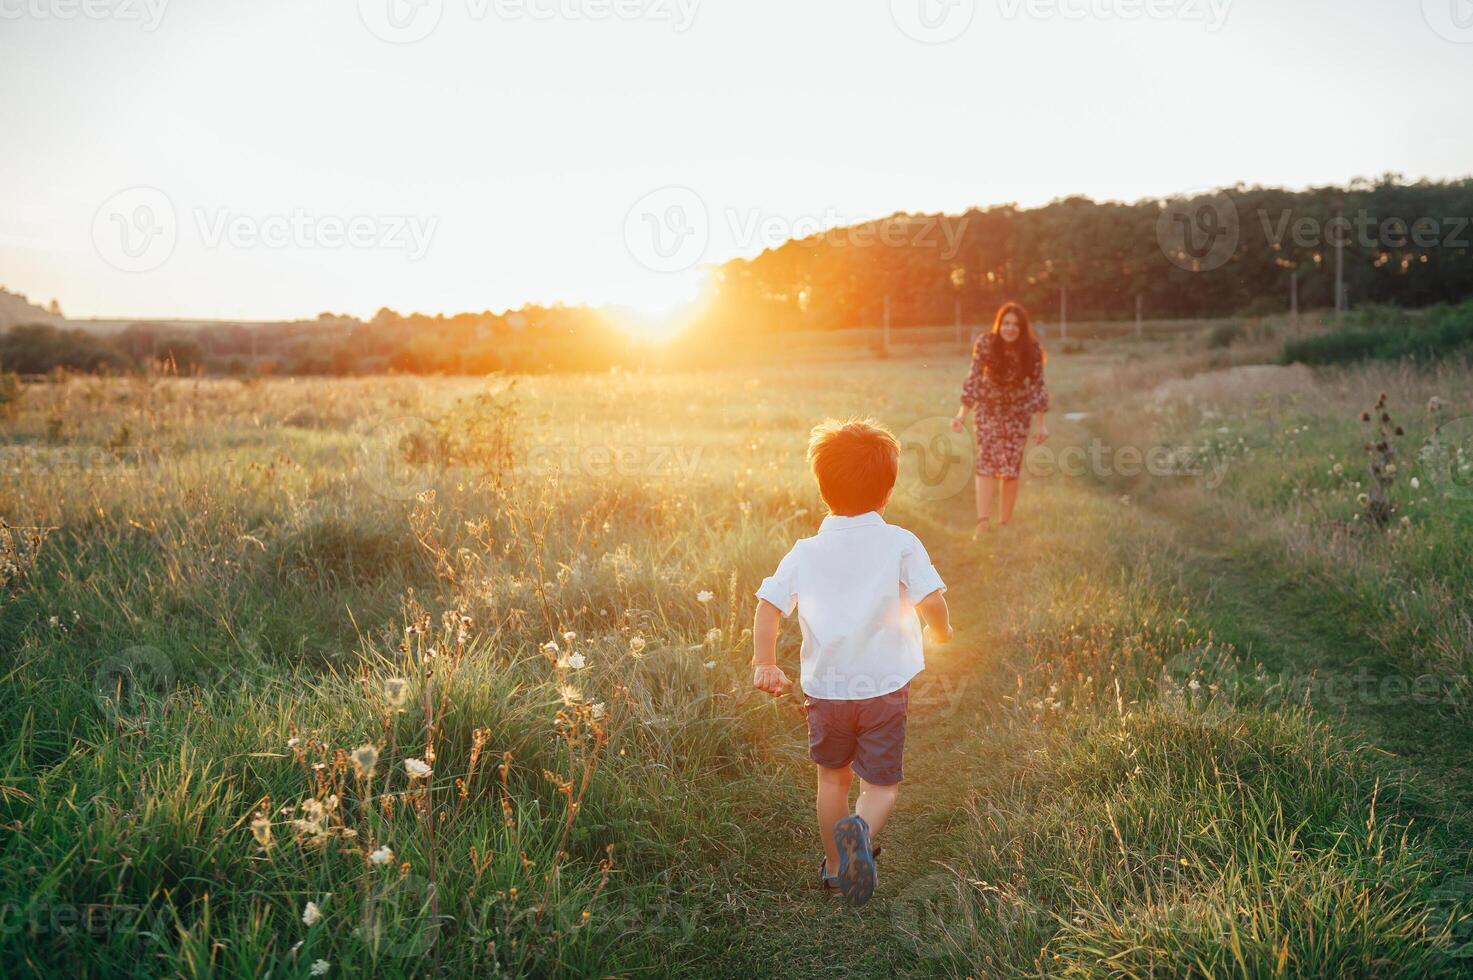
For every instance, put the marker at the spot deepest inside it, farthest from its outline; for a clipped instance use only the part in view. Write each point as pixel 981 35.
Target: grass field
pixel 1197 721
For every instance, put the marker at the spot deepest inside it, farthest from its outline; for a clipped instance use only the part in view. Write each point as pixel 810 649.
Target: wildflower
pixel 55 621
pixel 636 646
pixel 365 757
pixel 571 695
pixel 1339 469
pixel 293 742
pixel 598 710
pixel 396 689
pixel 709 665
pixel 1390 469
pixel 261 831
pixel 384 855
pixel 417 768
pixel 320 967
pixel 1434 405
pixel 1405 520
pixel 551 648
pixel 569 637
pixel 577 661
pixel 1195 684
pixel 1416 483
pixel 713 635
pixel 704 596
pixel 311 914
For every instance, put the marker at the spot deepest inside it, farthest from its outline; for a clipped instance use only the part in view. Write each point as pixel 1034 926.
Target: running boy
pixel 857 586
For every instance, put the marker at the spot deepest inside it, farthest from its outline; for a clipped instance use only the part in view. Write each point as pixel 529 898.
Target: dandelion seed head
pixel 365 758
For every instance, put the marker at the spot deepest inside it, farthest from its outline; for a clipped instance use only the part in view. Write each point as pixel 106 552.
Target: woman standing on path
pixel 1006 390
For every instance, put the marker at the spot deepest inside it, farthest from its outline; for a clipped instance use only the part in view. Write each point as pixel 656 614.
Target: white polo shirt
pixel 855 584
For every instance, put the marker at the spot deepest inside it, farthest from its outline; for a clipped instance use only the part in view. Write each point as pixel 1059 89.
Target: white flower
pixel 293 742
pixel 713 635
pixel 577 661
pixel 1390 469
pixel 311 913
pixel 709 665
pixel 1195 684
pixel 636 645
pixel 384 855
pixel 551 648
pixel 417 768
pixel 1416 483
pixel 570 694
pixel 597 709
pixel 569 637
pixel 320 967
pixel 1339 469
pixel 704 596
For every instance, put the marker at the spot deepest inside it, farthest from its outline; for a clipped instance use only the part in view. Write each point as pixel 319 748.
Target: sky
pixel 265 159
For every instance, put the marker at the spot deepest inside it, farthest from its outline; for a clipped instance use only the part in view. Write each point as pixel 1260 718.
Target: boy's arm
pixel 936 616
pixel 766 674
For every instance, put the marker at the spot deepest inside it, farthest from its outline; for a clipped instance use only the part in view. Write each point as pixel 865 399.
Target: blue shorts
pixel 868 734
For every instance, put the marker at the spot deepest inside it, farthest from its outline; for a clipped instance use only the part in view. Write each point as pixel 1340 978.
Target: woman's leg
pixel 985 486
pixel 1009 499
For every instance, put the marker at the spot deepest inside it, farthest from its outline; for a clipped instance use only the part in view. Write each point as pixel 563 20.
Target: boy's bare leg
pixel 833 806
pixel 985 487
pixel 875 804
pixel 1009 499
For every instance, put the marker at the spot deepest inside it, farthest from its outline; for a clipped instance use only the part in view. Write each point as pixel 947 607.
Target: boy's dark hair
pixel 855 463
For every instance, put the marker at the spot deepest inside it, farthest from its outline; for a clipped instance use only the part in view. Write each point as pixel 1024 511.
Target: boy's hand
pixel 770 678
pixel 939 636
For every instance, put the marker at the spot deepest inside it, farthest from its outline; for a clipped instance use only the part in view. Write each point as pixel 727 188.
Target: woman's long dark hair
pixel 1010 365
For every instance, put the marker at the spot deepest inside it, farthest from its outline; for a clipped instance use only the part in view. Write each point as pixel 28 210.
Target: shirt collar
pixel 836 523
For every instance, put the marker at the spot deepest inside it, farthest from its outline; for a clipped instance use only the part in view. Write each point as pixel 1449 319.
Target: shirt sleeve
pixel 1039 403
pixel 781 587
pixel 917 574
pixel 972 387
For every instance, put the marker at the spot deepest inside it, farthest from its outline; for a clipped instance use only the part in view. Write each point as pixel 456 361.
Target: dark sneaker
pixel 827 882
pixel 857 875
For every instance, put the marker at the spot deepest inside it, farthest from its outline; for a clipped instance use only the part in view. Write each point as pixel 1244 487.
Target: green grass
pixel 1112 772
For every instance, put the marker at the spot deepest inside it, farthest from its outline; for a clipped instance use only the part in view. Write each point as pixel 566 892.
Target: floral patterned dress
pixel 1003 412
